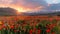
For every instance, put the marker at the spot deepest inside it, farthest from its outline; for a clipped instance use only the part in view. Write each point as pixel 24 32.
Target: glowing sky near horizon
pixel 27 5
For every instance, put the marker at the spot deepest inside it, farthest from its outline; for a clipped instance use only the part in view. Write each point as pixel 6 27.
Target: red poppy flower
pixel 48 30
pixel 39 31
pixel 12 27
pixel 31 31
pixel 0 28
pixel 3 26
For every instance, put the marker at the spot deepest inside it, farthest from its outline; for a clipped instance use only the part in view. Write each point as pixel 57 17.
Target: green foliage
pixel 20 21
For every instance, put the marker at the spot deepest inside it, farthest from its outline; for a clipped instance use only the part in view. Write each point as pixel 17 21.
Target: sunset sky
pixel 27 5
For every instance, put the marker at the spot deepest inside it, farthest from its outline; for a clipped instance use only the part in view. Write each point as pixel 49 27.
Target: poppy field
pixel 29 24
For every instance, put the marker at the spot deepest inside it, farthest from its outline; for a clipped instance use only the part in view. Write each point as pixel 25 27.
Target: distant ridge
pixel 7 11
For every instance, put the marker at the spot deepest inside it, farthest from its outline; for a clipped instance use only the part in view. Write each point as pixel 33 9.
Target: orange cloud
pixel 21 8
pixel 23 5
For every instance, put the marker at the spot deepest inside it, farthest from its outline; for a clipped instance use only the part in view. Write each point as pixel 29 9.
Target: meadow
pixel 29 24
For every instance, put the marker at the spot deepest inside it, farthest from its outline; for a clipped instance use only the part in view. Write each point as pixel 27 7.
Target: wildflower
pixel 31 31
pixel 39 31
pixel 12 27
pixel 0 28
pixel 48 30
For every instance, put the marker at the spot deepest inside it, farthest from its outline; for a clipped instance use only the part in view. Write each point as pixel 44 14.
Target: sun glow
pixel 20 10
pixel 23 9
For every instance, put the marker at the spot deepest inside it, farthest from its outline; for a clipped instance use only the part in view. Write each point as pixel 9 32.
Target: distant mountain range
pixel 37 14
pixel 7 11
